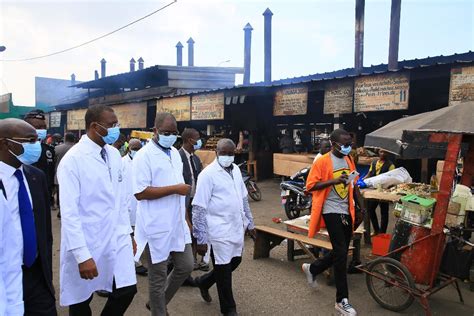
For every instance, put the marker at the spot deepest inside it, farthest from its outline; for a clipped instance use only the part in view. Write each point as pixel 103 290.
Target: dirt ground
pixel 275 286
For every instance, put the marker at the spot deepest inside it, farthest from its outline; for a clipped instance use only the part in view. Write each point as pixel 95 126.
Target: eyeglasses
pixel 20 140
pixel 115 125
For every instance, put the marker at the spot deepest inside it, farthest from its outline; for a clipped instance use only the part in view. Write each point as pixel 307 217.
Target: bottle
pixel 434 183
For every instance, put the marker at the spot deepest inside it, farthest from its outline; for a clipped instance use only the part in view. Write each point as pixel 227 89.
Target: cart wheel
pixel 389 296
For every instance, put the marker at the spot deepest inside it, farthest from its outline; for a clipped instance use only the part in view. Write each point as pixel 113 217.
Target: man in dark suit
pixel 192 166
pixel 26 190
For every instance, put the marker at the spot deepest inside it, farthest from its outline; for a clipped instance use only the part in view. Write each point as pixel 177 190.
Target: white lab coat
pixel 11 259
pixel 91 225
pixel 161 223
pixel 222 198
pixel 130 200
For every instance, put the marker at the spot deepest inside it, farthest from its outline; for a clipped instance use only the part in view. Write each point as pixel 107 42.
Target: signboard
pixel 338 97
pixel 381 92
pixel 55 119
pixel 132 115
pixel 75 120
pixel 291 101
pixel 207 106
pixel 461 88
pixel 180 107
pixel 5 102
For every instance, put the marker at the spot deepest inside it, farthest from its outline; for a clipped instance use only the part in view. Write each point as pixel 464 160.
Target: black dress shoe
pixel 102 293
pixel 141 270
pixel 204 292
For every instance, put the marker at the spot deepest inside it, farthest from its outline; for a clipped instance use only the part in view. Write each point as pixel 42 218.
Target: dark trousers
pixel 340 235
pixel 221 275
pixel 36 294
pixel 116 305
pixel 372 208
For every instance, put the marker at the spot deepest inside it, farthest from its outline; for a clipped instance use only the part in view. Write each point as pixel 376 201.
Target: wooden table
pixel 374 194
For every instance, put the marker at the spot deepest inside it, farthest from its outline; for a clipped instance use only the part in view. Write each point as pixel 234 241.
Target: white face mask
pixel 225 161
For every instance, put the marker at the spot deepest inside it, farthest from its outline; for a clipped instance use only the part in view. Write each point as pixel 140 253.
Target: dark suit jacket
pixel 46 164
pixel 187 174
pixel 44 237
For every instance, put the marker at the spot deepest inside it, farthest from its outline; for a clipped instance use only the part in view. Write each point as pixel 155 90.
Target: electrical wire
pixel 92 40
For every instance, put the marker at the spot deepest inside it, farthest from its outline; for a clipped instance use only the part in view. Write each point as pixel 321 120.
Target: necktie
pixel 27 222
pixel 193 167
pixel 103 154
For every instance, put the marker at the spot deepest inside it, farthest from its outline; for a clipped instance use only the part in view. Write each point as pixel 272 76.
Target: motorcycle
pixel 293 197
pixel 252 188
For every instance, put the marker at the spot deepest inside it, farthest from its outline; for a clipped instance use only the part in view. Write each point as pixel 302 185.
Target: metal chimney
pixel 141 63
pixel 190 52
pixel 96 75
pixel 73 79
pixel 132 65
pixel 268 45
pixel 247 52
pixel 394 34
pixel 102 68
pixel 179 54
pixel 359 36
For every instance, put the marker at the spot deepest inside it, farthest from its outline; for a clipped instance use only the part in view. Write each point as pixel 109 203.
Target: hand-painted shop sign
pixel 76 119
pixel 381 92
pixel 338 97
pixel 55 119
pixel 5 102
pixel 207 106
pixel 132 115
pixel 180 107
pixel 461 88
pixel 291 101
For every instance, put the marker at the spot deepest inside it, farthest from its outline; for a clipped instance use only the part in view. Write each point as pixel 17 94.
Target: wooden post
pixel 359 36
pixel 424 170
pixel 394 34
pixel 468 170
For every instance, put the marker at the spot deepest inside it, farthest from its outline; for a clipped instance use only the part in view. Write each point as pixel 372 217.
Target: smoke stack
pixel 359 36
pixel 73 79
pixel 96 75
pixel 268 45
pixel 247 52
pixel 132 65
pixel 394 34
pixel 179 54
pixel 190 52
pixel 102 68
pixel 141 63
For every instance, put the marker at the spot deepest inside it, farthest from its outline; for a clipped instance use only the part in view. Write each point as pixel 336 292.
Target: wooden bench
pixel 268 238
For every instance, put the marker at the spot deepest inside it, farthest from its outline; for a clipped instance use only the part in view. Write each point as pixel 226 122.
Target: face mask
pixel 113 134
pixel 225 161
pixel 31 152
pixel 345 150
pixel 41 134
pixel 132 153
pixel 167 141
pixel 198 145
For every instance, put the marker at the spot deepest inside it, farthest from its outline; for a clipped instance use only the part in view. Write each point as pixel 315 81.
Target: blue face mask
pixel 167 141
pixel 113 134
pixel 42 133
pixel 345 150
pixel 132 153
pixel 198 145
pixel 225 161
pixel 31 152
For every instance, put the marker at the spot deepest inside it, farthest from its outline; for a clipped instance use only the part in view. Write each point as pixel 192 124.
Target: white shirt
pixel 317 157
pixel 161 223
pixel 91 224
pixel 222 195
pixel 130 200
pixel 11 260
pixel 193 183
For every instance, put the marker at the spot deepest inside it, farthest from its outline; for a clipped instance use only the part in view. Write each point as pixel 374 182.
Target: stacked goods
pixel 420 189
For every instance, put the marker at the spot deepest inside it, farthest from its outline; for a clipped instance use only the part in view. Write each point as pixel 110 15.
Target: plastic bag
pixel 389 179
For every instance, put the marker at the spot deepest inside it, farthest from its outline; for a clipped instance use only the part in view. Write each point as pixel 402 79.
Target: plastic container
pixel 417 210
pixel 381 244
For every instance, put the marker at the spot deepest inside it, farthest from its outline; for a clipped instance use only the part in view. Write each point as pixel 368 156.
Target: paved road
pixel 275 286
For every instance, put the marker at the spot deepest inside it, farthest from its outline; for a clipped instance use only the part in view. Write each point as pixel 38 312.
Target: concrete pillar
pixel 268 45
pixel 247 52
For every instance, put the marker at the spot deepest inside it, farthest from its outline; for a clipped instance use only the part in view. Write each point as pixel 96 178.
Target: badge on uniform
pixel 120 176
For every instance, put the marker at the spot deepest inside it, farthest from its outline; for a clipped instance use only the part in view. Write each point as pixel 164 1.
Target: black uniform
pixel 47 165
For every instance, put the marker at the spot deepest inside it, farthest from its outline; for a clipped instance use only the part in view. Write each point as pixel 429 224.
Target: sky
pixel 308 36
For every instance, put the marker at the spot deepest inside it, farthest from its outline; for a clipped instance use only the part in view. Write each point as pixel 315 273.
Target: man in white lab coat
pixel 11 286
pixel 161 225
pixel 96 247
pixel 134 145
pixel 221 215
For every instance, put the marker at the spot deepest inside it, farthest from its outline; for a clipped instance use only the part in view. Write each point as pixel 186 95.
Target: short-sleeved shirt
pixel 336 201
pixel 378 167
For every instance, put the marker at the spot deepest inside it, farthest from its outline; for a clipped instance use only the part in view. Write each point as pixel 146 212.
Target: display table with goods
pixel 288 164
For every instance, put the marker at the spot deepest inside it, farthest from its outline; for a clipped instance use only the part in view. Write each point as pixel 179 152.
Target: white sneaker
pixel 309 276
pixel 344 308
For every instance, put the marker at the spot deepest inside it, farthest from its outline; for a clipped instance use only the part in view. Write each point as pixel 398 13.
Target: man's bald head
pixel 14 132
pixel 15 128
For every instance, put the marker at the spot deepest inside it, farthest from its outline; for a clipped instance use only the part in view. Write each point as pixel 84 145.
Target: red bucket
pixel 381 244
